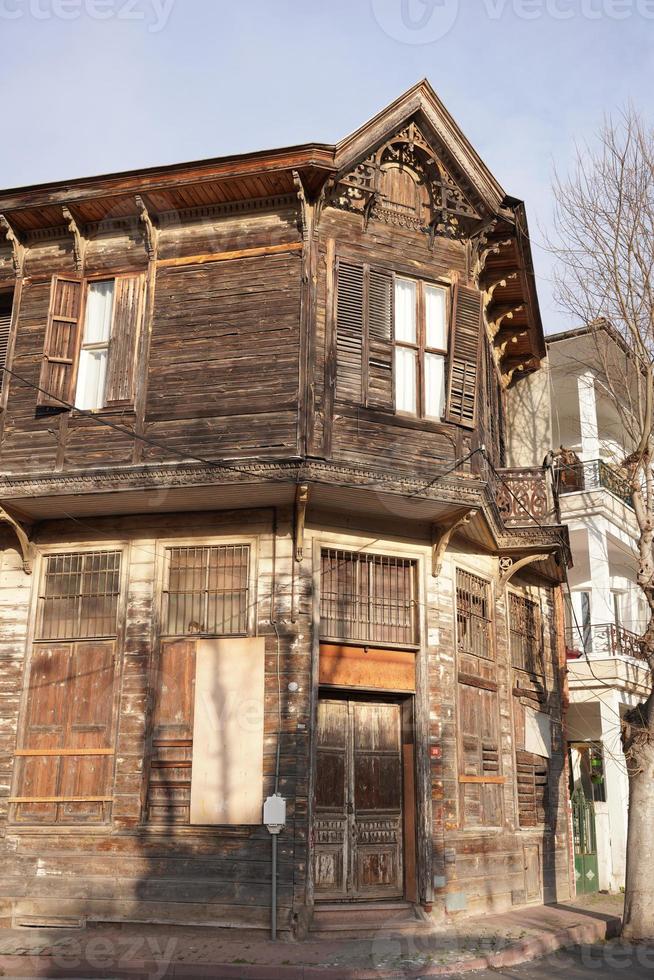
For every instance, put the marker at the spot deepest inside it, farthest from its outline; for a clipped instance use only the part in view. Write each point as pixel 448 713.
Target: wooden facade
pixel 259 532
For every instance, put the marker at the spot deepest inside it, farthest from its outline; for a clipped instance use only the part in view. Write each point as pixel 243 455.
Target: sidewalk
pixel 158 952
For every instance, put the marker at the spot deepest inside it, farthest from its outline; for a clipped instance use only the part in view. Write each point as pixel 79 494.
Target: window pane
pixel 434 385
pixel 91 380
pixel 436 317
pixel 406 361
pixel 405 311
pixel 99 307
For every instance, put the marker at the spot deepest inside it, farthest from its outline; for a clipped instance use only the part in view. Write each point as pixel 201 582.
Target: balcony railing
pixel 521 496
pixel 607 640
pixel 594 474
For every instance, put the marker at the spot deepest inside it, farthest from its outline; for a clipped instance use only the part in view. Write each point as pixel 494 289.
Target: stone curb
pixel 580 933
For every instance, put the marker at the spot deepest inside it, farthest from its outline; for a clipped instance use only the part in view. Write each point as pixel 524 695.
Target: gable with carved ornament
pixel 404 183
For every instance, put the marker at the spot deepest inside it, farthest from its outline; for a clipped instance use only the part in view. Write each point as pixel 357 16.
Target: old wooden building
pixel 269 521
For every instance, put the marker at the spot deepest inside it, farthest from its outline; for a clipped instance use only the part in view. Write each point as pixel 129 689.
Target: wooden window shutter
pixel 463 378
pixel 5 335
pixel 380 340
pixel 62 342
pixel 481 798
pixel 128 312
pixel 349 333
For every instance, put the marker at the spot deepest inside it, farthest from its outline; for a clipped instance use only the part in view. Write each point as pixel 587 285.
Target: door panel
pixel 358 822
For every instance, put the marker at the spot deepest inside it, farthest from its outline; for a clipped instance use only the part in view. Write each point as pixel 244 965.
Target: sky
pixel 98 86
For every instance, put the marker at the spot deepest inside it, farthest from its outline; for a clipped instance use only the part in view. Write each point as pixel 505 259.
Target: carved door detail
pixel 358 851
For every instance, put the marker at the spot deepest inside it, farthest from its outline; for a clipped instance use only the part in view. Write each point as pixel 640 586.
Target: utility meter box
pixel 274 813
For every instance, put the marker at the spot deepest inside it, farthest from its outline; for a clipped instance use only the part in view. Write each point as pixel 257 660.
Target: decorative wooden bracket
pixel 79 241
pixel 498 312
pixel 508 567
pixel 302 494
pixel 304 219
pixel 440 539
pixel 507 372
pixel 493 284
pixel 150 230
pixel 17 248
pixel 323 197
pixel 26 546
pixel 484 253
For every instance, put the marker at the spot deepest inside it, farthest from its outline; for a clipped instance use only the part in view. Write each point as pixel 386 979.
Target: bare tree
pixel 605 246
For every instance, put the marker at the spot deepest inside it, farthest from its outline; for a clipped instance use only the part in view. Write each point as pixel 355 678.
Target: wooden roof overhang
pixel 415 503
pixel 500 240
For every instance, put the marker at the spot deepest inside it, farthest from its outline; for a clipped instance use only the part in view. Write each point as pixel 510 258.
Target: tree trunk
pixel 638 740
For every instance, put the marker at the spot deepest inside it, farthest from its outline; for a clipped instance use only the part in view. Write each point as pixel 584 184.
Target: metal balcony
pixel 605 640
pixel 593 474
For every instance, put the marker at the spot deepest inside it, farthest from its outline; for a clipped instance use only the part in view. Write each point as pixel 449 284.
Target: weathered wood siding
pixel 218 367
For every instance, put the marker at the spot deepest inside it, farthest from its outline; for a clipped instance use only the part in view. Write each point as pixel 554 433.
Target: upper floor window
pixel 473 614
pixel 368 597
pixel 421 334
pixel 89 355
pixel 6 307
pixel 207 590
pixel 407 345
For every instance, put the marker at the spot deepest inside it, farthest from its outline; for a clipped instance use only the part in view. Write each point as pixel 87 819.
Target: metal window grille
pixel 525 634
pixel 207 591
pixel 368 597
pixel 79 596
pixel 473 615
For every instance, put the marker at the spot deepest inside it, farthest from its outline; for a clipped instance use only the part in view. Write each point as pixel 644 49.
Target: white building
pixel 606 672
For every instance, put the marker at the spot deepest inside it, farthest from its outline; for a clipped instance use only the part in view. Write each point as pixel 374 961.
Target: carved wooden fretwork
pixel 508 567
pixel 22 534
pixel 150 231
pixel 301 503
pixel 404 184
pixel 79 240
pixel 17 248
pixel 377 831
pixel 440 539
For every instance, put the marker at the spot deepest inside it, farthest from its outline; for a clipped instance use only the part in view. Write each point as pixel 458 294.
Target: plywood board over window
pixel 227 772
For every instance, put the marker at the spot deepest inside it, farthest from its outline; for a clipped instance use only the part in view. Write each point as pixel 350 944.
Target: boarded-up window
pixel 525 634
pixel 368 598
pixel 78 598
pixel 473 615
pixel 533 788
pixel 207 591
pixel 65 758
pixel 479 775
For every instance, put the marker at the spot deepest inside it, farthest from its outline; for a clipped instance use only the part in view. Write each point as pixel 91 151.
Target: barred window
pixel 368 597
pixel 525 634
pixel 78 599
pixel 473 615
pixel 207 591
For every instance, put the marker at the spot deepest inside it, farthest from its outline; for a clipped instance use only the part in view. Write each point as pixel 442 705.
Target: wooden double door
pixel 360 807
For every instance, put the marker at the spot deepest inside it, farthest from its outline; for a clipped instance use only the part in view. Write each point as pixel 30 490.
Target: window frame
pixel 420 347
pixel 415 601
pixel 163 580
pixel 516 594
pixel 86 282
pixel 106 826
pixel 114 275
pixel 490 655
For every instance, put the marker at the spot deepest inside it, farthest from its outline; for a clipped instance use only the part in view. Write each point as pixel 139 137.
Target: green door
pixel 583 821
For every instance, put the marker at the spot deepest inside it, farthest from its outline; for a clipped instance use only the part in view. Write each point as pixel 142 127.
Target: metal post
pixel 273 925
